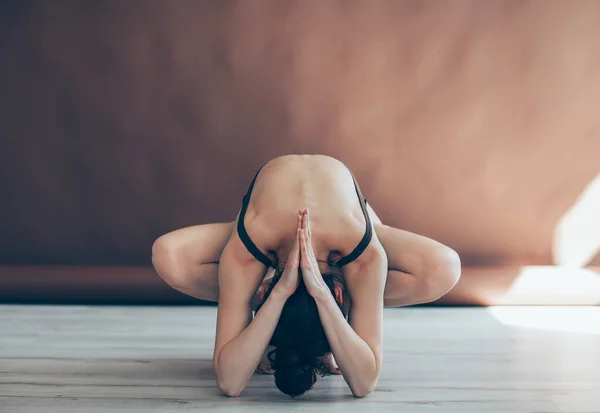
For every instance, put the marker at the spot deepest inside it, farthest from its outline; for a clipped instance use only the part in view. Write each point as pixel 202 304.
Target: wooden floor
pixel 157 359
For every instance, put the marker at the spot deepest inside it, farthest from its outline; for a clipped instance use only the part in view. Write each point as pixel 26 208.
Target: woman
pixel 312 259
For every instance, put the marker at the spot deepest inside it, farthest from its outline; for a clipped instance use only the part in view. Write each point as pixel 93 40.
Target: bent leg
pixel 187 259
pixel 420 270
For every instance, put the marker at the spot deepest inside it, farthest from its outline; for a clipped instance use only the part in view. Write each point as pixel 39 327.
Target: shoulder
pixel 369 268
pixel 239 274
pixel 236 251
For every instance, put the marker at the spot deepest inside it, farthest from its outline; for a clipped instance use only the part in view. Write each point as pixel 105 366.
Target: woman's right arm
pixel 241 341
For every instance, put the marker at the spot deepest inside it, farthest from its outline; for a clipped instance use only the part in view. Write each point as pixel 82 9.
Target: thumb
pixel 295 251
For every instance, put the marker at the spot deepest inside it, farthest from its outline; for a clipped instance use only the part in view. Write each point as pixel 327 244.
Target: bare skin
pixel 188 258
pixel 419 269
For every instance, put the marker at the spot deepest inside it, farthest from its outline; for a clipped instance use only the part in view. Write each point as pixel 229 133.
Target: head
pixel 299 338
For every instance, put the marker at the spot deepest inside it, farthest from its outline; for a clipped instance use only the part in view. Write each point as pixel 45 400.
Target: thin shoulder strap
pixel 241 229
pixel 366 239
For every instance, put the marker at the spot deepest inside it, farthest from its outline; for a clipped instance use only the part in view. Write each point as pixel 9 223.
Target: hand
pixel 264 367
pixel 330 365
pixel 289 280
pixel 313 280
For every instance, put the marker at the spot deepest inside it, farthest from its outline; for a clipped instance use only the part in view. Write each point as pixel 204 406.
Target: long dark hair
pixel 299 339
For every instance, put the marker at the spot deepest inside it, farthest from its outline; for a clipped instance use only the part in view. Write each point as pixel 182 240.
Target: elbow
pixel 363 389
pixel 228 389
pixel 225 383
pixel 360 393
pixel 443 274
pixel 365 386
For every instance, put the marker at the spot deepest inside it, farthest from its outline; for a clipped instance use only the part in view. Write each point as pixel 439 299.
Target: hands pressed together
pixel 302 257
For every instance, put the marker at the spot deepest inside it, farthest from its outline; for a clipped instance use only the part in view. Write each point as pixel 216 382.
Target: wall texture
pixel 475 123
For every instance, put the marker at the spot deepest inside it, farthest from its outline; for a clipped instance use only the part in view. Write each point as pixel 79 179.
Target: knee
pixel 167 261
pixel 443 272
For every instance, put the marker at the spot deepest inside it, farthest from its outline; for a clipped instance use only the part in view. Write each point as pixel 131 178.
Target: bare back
pixel 320 183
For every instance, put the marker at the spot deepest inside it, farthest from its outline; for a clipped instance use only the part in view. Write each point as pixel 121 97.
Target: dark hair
pixel 299 339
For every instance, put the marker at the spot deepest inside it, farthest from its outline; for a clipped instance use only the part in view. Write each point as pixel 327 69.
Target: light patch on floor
pixel 584 320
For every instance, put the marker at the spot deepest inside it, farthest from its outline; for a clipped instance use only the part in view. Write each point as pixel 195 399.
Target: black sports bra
pixel 260 256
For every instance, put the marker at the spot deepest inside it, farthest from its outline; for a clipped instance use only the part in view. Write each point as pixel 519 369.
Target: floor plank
pixel 134 359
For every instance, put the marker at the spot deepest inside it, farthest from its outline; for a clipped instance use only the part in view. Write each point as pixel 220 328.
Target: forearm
pixel 356 360
pixel 239 358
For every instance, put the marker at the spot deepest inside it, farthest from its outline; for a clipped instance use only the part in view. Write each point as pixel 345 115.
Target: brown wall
pixel 473 122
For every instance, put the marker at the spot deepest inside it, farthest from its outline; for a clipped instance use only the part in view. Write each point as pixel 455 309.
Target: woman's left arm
pixel 356 346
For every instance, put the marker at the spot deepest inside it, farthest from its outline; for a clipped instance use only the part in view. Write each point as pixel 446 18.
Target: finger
pixel 298 226
pixel 309 261
pixel 308 241
pixel 308 225
pixel 305 220
pixel 301 241
pixel 305 226
pixel 306 252
pixel 294 256
pixel 304 257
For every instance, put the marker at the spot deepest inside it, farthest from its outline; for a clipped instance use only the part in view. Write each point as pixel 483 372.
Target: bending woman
pixel 301 277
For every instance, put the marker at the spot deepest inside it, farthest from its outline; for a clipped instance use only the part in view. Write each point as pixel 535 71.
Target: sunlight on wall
pixel 569 319
pixel 577 235
pixel 558 283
